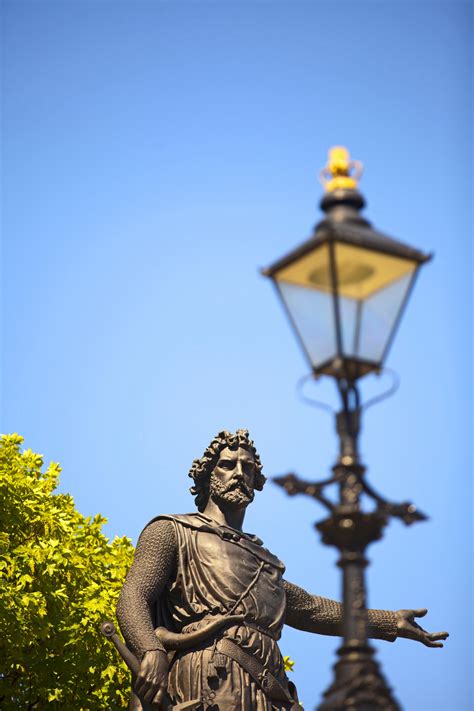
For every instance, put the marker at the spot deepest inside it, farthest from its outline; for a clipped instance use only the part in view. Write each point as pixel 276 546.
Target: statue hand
pixel 408 628
pixel 152 678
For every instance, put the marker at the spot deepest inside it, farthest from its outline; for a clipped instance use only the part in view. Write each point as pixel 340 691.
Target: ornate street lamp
pixel 344 291
pixel 345 288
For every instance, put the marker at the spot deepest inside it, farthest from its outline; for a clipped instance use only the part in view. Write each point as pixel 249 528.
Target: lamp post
pixel 344 291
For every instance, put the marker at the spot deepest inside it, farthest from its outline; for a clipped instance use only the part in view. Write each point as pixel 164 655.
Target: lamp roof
pixel 359 235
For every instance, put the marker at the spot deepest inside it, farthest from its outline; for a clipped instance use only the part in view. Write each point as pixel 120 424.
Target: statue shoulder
pixel 191 520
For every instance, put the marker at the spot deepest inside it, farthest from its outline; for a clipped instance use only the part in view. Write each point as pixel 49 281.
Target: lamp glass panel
pixel 350 311
pixel 310 303
pixel 379 315
pixel 371 287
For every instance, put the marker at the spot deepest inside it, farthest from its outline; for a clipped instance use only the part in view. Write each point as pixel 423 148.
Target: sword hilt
pixel 108 630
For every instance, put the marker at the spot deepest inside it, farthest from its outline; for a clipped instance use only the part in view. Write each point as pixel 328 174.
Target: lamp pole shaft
pixel 354 599
pixel 352 560
pixel 359 684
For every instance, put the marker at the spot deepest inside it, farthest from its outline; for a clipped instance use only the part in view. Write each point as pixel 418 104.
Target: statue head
pixel 205 472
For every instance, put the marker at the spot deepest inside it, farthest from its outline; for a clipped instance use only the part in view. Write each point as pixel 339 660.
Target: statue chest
pixel 219 574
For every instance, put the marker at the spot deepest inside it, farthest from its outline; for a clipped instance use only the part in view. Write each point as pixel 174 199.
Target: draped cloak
pixel 221 571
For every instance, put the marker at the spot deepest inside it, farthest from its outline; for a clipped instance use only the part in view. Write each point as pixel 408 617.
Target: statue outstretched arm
pixel 153 565
pixel 312 613
pixel 319 614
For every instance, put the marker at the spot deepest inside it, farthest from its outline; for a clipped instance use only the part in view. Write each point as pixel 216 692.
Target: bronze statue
pixel 204 604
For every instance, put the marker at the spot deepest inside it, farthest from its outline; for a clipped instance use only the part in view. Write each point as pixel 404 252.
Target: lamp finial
pixel 340 172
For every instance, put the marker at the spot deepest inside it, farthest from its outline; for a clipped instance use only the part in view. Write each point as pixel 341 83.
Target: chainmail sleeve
pixel 311 613
pixel 153 565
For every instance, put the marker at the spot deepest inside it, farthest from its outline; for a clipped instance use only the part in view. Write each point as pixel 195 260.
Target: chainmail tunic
pixel 188 569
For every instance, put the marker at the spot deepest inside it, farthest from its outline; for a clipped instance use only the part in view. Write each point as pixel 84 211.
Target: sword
pixel 108 630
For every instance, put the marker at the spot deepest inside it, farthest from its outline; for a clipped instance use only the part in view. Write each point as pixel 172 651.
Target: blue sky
pixel 156 155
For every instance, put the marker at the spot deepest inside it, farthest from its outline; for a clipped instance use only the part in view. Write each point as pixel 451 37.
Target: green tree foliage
pixel 59 579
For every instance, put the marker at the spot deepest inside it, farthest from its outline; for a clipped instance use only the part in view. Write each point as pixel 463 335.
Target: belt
pixel 264 678
pixel 206 620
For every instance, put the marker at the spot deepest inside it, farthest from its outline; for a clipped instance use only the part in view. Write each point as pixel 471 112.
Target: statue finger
pixel 431 639
pixel 141 686
pixel 420 612
pixel 149 695
pixel 428 643
pixel 158 699
pixel 438 635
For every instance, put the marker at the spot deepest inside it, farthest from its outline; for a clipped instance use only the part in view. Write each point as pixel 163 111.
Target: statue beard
pixel 234 493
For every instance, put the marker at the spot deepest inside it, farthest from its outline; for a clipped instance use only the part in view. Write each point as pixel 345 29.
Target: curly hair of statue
pixel 202 468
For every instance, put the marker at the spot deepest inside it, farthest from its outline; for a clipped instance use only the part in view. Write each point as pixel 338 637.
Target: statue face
pixel 232 481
